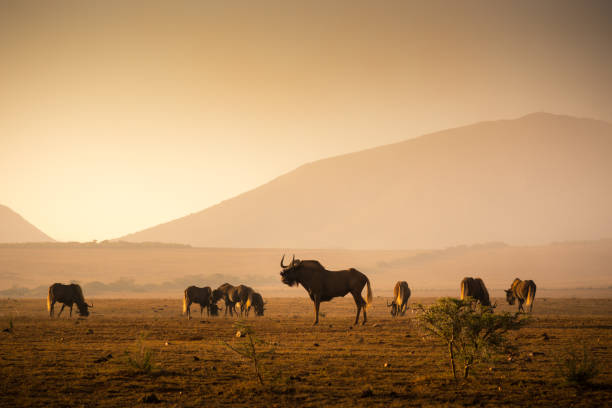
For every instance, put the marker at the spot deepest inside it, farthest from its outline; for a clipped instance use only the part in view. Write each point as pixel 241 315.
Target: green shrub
pixel 471 331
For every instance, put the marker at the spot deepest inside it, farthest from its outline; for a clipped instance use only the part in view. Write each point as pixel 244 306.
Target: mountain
pixel 14 228
pixel 536 179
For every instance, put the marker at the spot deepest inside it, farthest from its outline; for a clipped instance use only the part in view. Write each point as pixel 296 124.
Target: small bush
pixel 248 350
pixel 142 360
pixel 471 331
pixel 578 367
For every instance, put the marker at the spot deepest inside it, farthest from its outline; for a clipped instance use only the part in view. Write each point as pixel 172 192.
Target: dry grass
pixel 64 362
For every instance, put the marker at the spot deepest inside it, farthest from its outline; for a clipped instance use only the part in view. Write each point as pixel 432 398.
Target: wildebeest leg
pixel 189 310
pixel 51 309
pixel 317 303
pixel 520 305
pixel 201 309
pixel 360 303
pixel 61 310
pixel 70 310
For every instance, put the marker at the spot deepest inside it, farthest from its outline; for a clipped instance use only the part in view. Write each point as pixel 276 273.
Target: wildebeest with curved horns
pixel 201 296
pixel 323 285
pixel 475 288
pixel 524 291
pixel 401 294
pixel 68 295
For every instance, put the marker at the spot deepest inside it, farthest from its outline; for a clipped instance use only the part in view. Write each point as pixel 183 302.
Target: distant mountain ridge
pixel 15 229
pixel 536 179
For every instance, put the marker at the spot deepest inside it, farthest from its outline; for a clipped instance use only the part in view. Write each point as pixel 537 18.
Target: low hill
pixel 537 179
pixel 14 228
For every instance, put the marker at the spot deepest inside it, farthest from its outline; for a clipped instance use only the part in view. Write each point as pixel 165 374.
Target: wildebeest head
pixel 214 309
pixel 84 309
pixel 510 296
pixel 289 274
pixel 216 295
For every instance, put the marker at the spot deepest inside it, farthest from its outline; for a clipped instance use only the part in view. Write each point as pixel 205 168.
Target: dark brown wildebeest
pixel 401 294
pixel 323 285
pixel 524 291
pixel 67 295
pixel 239 295
pixel 475 288
pixel 201 296
pixel 256 302
pixel 223 292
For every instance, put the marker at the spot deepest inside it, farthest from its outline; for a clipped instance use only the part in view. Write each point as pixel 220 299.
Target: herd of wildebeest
pixel 322 286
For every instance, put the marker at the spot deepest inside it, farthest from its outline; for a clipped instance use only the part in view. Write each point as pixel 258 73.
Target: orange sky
pixel 118 115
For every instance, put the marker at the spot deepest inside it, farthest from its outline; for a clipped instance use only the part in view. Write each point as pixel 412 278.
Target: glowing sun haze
pixel 119 115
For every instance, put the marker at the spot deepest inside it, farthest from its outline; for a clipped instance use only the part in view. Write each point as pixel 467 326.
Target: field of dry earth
pixel 86 362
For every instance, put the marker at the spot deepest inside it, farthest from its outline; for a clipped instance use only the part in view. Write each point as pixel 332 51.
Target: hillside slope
pixel 536 179
pixel 14 228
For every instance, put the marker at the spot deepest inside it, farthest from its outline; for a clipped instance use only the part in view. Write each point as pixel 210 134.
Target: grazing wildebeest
pixel 401 294
pixel 201 296
pixel 323 285
pixel 67 295
pixel 475 288
pixel 239 295
pixel 524 291
pixel 256 302
pixel 223 292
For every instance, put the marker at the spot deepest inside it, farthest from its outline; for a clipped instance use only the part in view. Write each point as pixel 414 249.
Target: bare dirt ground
pixel 388 363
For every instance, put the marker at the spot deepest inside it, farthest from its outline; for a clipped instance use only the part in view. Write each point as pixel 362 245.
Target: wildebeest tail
pixel 185 302
pixel 369 295
pixel 49 301
pixel 530 294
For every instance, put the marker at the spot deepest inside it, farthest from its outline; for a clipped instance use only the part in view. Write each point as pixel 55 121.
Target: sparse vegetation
pixel 471 331
pixel 248 349
pixel 579 366
pixel 55 363
pixel 141 361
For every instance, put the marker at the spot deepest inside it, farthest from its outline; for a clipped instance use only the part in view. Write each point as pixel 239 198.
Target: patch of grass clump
pixel 141 361
pixel 578 367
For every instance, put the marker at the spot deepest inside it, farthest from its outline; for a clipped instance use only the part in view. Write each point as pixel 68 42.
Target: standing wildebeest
pixel 256 302
pixel 201 296
pixel 223 292
pixel 524 291
pixel 401 294
pixel 475 288
pixel 67 295
pixel 323 285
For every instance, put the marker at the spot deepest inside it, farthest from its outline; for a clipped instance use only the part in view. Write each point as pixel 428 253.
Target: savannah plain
pixel 388 362
pixel 100 360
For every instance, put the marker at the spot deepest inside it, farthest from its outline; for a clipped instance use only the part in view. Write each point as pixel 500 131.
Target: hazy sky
pixel 118 115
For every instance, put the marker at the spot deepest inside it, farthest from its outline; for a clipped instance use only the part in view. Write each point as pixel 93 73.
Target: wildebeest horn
pixel 293 260
pixel 282 259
